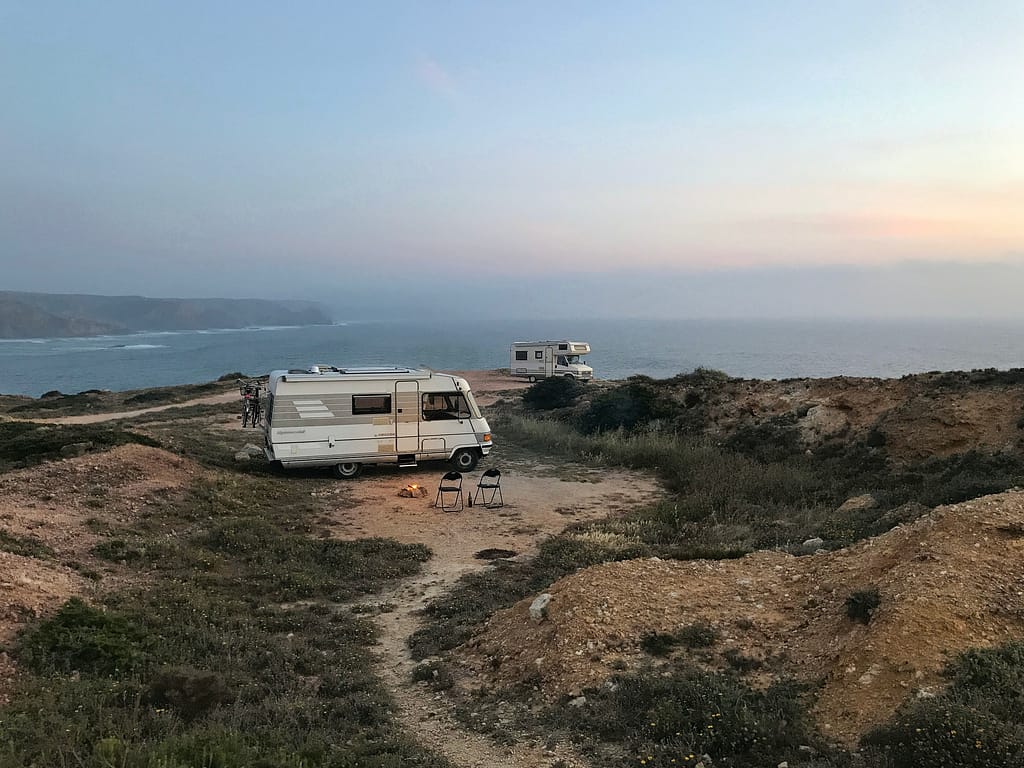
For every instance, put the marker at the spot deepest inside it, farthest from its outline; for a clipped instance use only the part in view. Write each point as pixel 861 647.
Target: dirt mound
pixel 61 502
pixel 916 416
pixel 948 582
pixel 53 512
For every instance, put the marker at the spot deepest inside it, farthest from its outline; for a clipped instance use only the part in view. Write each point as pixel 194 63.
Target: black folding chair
pixel 489 488
pixel 451 484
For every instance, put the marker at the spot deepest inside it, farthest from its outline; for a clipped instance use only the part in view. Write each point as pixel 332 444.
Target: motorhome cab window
pixel 521 355
pixel 561 360
pixel 445 405
pixel 367 405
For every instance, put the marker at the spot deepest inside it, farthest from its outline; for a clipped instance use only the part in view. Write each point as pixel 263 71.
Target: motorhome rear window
pixel 521 355
pixel 366 405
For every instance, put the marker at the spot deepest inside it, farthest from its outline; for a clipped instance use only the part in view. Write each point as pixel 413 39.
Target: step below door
pixel 407 417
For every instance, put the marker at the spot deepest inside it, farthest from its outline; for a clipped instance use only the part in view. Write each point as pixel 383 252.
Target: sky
pixel 664 159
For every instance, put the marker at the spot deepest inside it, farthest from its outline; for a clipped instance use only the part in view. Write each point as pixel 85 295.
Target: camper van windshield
pixel 572 359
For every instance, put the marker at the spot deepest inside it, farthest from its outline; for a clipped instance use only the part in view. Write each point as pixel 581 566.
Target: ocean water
pixel 746 348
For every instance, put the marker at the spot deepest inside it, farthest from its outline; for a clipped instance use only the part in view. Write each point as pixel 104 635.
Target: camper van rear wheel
pixel 465 459
pixel 348 469
pixel 533 379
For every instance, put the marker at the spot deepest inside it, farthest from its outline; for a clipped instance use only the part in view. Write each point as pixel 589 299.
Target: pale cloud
pixel 436 78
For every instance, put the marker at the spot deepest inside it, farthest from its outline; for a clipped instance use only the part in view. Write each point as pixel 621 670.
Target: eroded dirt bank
pixel 948 582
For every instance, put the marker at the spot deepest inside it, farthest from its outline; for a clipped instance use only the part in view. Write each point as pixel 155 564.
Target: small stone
pixel 75 449
pixel 539 608
pixel 578 702
pixel 857 503
pixel 813 544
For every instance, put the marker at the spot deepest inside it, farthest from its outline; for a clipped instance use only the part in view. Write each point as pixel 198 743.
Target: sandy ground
pixel 538 504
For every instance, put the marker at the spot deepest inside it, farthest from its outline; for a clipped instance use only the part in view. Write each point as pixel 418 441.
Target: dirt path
pixel 96 418
pixel 487 385
pixel 539 503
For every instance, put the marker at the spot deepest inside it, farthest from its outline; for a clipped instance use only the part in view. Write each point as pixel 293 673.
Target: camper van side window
pixel 563 347
pixel 367 405
pixel 539 354
pixel 521 354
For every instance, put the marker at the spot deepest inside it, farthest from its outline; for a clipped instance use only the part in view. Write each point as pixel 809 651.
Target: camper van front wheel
pixel 533 379
pixel 348 469
pixel 465 460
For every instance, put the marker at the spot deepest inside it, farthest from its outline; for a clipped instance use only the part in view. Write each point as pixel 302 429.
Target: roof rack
pixel 367 370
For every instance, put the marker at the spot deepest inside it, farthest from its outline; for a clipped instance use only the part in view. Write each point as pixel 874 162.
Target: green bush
pixel 665 718
pixel 190 692
pixel 26 546
pixel 942 732
pixel 80 638
pixel 551 393
pixel 629 405
pixel 698 635
pixel 977 722
pixel 776 439
pixel 119 550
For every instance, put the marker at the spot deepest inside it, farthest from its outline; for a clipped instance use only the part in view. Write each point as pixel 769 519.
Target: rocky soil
pixel 949 581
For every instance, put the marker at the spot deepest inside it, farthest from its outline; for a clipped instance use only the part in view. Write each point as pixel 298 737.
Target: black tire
pixel 533 379
pixel 465 459
pixel 347 470
pixel 570 377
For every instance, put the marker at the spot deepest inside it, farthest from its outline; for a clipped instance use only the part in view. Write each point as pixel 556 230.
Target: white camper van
pixel 347 417
pixel 541 359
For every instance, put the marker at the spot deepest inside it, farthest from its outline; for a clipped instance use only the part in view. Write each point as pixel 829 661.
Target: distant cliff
pixel 39 315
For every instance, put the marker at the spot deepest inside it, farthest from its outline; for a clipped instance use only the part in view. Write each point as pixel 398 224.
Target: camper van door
pixel 407 416
pixel 549 361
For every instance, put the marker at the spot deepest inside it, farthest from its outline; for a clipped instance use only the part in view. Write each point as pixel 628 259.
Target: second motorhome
pixel 541 359
pixel 347 417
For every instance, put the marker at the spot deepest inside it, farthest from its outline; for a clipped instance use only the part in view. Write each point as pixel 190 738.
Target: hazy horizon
pixel 669 161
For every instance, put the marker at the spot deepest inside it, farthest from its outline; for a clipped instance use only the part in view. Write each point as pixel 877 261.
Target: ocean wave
pixel 137 346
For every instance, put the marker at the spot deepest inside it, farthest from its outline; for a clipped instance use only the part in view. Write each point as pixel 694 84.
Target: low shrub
pixel 24 443
pixel 977 722
pixel 190 692
pixel 698 635
pixel 119 550
pixel 80 638
pixel 26 546
pixel 669 719
pixel 658 643
pixel 435 673
pixel 553 392
pixel 862 604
